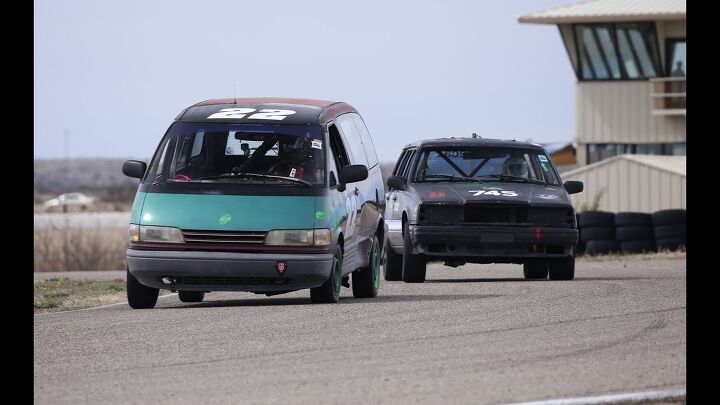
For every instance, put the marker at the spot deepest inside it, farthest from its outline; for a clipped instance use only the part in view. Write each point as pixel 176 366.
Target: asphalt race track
pixel 476 334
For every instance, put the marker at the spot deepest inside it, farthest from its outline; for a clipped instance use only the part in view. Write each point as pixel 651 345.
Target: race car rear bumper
pixel 228 271
pixel 493 241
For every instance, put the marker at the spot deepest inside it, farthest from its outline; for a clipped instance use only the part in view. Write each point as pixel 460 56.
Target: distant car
pixel 474 200
pixel 71 199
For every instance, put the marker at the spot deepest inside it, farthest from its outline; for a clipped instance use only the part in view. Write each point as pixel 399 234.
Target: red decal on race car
pixel 440 194
pixel 281 267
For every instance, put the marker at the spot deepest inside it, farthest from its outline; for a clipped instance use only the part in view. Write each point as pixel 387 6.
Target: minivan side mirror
pixel 353 173
pixel 134 168
pixel 573 187
pixel 396 183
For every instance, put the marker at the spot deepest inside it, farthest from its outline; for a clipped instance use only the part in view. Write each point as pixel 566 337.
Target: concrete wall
pixel 628 186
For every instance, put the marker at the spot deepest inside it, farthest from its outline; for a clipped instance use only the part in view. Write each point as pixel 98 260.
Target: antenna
pixel 235 93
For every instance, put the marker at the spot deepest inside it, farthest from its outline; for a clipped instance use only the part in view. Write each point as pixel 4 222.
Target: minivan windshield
pixel 485 164
pixel 240 153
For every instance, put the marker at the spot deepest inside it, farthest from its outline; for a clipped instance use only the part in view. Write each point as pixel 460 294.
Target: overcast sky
pixel 114 74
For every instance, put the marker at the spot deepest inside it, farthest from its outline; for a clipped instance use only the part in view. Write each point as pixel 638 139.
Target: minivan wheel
pixel 329 291
pixel 140 296
pixel 366 280
pixel 535 271
pixel 563 269
pixel 191 296
pixel 414 265
pixel 392 269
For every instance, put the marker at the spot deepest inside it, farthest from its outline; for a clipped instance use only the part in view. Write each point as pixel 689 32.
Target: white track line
pixel 678 394
pixel 101 306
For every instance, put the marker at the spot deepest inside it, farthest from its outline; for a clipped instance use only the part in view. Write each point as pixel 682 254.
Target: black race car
pixel 461 200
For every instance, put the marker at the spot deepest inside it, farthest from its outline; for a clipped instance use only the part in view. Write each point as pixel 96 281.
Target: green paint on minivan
pixel 229 212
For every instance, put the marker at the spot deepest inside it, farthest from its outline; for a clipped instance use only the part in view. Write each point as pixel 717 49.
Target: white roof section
pixel 672 164
pixel 609 11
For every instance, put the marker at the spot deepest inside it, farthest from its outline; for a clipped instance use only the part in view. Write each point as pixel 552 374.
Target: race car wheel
pixel 535 271
pixel 563 269
pixel 366 280
pixel 392 269
pixel 140 296
pixel 329 291
pixel 191 296
pixel 413 266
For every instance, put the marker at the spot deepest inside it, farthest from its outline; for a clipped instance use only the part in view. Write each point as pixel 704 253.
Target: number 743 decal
pixel 505 193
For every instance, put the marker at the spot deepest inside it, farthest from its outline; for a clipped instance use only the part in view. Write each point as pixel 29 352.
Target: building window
pixel 622 51
pixel 599 151
pixel 676 57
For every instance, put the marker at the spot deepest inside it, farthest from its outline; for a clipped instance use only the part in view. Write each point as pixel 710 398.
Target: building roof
pixel 609 11
pixel 557 146
pixel 672 164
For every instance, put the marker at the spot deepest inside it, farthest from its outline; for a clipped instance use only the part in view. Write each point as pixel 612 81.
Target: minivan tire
pixel 329 291
pixel 140 296
pixel 191 296
pixel 414 265
pixel 366 280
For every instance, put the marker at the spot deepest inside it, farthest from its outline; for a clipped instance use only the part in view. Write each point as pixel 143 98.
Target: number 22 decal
pixel 505 193
pixel 266 114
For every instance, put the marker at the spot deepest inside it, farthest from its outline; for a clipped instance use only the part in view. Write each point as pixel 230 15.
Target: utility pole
pixel 67 163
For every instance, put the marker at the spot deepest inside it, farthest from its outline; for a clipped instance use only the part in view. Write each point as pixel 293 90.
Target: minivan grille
pixel 230 237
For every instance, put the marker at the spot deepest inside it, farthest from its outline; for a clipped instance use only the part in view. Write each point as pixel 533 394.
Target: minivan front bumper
pixel 228 271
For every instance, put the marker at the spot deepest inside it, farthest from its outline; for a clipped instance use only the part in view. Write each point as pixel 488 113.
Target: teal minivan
pixel 267 195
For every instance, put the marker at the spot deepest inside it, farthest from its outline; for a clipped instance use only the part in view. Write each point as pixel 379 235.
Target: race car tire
pixel 637 246
pixel 562 269
pixel 535 270
pixel 669 217
pixel 191 296
pixel 632 219
pixel 329 291
pixel 140 296
pixel 596 247
pixel 633 233
pixel 597 233
pixel 596 218
pixel 392 269
pixel 414 265
pixel 670 232
pixel 669 244
pixel 366 280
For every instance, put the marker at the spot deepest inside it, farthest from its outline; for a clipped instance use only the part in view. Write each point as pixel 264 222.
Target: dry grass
pixel 662 255
pixel 80 249
pixel 61 294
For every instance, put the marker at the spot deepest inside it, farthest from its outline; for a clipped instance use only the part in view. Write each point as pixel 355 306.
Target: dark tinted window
pixel 617 51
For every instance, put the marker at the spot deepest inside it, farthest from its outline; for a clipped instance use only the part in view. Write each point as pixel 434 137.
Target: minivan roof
pixel 306 111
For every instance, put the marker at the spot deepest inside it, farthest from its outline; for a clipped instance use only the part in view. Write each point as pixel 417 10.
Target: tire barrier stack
pixel 631 232
pixel 634 232
pixel 597 232
pixel 669 228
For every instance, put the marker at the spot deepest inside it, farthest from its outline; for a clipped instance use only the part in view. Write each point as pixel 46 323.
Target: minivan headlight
pixel 299 237
pixel 147 233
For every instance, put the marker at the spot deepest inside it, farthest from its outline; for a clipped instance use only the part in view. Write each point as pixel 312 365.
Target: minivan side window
pixel 337 148
pixel 366 141
pixel 352 138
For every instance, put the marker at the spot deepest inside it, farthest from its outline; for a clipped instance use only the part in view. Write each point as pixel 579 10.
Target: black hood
pixel 491 192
